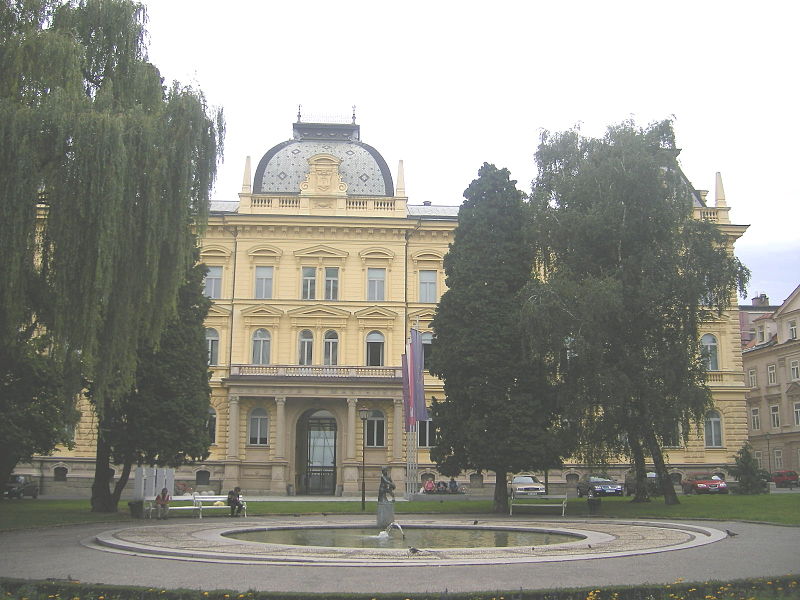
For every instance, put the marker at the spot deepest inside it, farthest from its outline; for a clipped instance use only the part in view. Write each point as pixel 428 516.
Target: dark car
pixel 704 483
pixel 784 478
pixel 598 485
pixel 21 485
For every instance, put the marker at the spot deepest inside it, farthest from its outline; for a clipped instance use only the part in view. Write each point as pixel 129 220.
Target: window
pixel 708 345
pixel 331 283
pixel 772 378
pixel 761 336
pixel 261 344
pixel 331 348
pixel 794 370
pixel 713 430
pixel 757 458
pixel 755 419
pixel 212 346
pixel 376 429
pixel 306 354
pixel 792 330
pixel 752 375
pixel 426 434
pixel 258 427
pixel 211 425
pixel 263 282
pixel 374 349
pixel 777 454
pixel 309 287
pixel 427 286
pixel 60 474
pixel 213 284
pixel 427 346
pixel 376 283
pixel 672 438
pixel 775 416
pixel 797 414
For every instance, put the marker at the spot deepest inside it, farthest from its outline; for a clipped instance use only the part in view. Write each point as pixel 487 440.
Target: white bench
pixel 202 503
pixel 552 501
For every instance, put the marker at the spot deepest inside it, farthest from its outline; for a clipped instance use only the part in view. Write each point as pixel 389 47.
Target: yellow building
pixel 317 273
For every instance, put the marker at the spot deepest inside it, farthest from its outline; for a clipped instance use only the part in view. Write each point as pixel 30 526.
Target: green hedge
pixel 776 588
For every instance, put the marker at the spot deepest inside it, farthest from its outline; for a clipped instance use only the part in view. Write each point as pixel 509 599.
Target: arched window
pixel 211 425
pixel 427 341
pixel 375 349
pixel 713 430
pixel 376 429
pixel 708 344
pixel 258 427
pixel 306 353
pixel 261 343
pixel 60 474
pixel 331 348
pixel 212 346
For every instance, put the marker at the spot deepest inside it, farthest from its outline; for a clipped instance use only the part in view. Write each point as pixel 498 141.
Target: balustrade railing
pixel 316 371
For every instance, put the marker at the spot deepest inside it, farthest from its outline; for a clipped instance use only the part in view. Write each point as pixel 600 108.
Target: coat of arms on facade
pixel 323 177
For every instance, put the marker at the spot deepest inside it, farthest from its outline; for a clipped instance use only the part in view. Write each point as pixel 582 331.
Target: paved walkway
pixel 62 553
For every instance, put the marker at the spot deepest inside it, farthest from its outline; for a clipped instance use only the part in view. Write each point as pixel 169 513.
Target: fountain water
pixel 395 525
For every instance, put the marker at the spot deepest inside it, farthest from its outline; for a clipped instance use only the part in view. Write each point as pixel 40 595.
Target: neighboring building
pixel 751 326
pixel 317 273
pixel 772 373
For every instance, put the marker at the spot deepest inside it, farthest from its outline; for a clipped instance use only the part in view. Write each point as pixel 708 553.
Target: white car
pixel 526 485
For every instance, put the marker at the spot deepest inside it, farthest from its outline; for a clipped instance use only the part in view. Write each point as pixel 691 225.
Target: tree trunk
pixel 500 504
pixel 102 501
pixel 8 460
pixel 640 470
pixel 122 481
pixel 670 497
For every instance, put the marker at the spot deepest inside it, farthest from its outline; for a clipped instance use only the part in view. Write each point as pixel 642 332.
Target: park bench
pixel 177 503
pixel 202 503
pixel 547 501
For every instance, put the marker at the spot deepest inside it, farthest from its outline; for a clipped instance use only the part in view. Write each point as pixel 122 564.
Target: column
pixel 397 429
pixel 280 427
pixel 351 428
pixel 233 427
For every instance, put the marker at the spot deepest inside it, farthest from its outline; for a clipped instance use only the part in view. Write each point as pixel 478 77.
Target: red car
pixel 785 478
pixel 704 483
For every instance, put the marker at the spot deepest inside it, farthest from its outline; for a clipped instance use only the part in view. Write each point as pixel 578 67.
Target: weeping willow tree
pixel 103 171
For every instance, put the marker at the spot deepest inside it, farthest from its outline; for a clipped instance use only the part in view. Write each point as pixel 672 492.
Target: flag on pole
pixel 408 405
pixel 413 381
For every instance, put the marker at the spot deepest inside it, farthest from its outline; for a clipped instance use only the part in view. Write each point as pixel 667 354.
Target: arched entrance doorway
pixel 316 453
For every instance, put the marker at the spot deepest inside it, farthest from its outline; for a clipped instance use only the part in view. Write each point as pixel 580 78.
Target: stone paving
pixel 204 541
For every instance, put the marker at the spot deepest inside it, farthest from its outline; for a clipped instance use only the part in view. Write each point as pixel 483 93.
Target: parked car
pixel 785 478
pixel 598 485
pixel 526 485
pixel 704 483
pixel 21 485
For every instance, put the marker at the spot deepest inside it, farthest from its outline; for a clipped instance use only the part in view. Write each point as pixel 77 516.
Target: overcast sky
pixel 447 86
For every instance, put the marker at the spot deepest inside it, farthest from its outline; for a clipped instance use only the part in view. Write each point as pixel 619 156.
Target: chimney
pixel 426 203
pixel 761 300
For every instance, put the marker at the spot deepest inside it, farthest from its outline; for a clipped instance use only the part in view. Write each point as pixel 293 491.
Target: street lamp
pixel 769 456
pixel 363 413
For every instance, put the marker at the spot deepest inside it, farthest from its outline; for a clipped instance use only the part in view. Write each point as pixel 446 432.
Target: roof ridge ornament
pixel 354 114
pixel 299 106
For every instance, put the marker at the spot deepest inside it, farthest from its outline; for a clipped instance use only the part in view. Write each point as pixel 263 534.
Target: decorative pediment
pixel 793 389
pixel 319 310
pixel 376 312
pixel 214 251
pixel 216 310
pixel 424 316
pixel 262 310
pixel 376 255
pixel 323 177
pixel 321 252
pixel 427 256
pixel 265 251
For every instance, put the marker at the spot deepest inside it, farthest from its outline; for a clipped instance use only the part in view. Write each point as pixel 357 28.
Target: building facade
pixel 772 374
pixel 317 273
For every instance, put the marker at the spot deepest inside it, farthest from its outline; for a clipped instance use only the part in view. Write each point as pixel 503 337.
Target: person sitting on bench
pixel 162 503
pixel 235 501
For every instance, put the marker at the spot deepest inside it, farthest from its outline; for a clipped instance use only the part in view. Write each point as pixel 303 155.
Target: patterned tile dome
pixel 284 167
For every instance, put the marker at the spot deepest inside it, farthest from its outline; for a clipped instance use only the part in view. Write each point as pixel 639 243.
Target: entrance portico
pixel 296 429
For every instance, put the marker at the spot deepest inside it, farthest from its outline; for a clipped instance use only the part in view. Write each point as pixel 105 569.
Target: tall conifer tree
pixel 497 410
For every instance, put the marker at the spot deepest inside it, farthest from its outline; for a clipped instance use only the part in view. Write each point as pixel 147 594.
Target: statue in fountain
pixel 386 486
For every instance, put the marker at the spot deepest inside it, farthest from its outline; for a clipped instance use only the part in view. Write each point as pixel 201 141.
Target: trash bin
pixel 593 502
pixel 137 509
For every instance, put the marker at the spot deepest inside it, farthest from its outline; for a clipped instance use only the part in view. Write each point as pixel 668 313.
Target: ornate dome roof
pixel 284 167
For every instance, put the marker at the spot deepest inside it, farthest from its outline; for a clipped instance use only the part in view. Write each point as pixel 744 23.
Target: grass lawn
pixel 775 508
